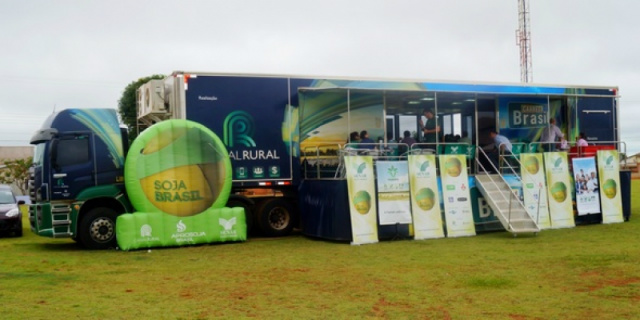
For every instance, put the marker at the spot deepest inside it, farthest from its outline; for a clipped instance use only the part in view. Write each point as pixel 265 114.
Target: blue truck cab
pixel 77 179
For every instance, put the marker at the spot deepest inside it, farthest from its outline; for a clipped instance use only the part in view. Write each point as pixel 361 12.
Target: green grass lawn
pixel 588 272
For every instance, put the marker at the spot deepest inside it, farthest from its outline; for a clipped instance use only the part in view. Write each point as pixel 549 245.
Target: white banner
pixel 609 169
pixel 362 204
pixel 559 190
pixel 456 195
pixel 586 185
pixel 534 189
pixel 393 192
pixel 425 203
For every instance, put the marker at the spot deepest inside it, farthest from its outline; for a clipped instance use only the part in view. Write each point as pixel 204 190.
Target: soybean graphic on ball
pixel 453 167
pixel 532 165
pixel 425 198
pixel 362 202
pixel 178 167
pixel 559 191
pixel 609 188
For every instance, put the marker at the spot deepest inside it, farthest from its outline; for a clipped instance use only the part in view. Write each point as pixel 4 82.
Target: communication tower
pixel 523 40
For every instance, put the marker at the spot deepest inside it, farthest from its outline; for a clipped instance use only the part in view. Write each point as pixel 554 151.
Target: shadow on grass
pixel 67 246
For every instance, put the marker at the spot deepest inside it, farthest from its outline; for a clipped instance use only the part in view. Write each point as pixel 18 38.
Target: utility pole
pixel 523 40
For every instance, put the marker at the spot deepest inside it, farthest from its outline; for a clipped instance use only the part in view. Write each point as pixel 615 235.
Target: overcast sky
pixel 82 54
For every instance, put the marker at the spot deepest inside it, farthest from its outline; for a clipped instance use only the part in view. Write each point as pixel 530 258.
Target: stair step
pixel 528 230
pixel 510 211
pixel 496 186
pixel 522 224
pixel 61 222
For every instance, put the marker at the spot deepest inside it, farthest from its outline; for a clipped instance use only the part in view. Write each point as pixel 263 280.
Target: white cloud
pixel 71 53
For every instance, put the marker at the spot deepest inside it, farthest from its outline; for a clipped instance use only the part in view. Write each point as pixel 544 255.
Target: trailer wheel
pixel 97 229
pixel 275 217
pixel 249 216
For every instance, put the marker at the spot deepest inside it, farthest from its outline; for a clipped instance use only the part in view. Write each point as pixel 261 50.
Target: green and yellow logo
pixel 559 191
pixel 177 167
pixel 425 198
pixel 362 202
pixel 532 165
pixel 238 129
pixel 453 167
pixel 610 188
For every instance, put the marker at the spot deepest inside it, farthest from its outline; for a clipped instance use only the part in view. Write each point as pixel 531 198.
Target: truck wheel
pixel 275 217
pixel 98 229
pixel 249 216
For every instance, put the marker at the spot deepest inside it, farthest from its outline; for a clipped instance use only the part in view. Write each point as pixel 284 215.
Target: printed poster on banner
pixel 609 174
pixel 586 185
pixel 534 189
pixel 362 204
pixel 393 192
pixel 559 190
pixel 456 195
pixel 425 203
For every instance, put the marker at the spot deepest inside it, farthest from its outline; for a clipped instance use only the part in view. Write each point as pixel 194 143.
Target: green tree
pixel 17 172
pixel 127 104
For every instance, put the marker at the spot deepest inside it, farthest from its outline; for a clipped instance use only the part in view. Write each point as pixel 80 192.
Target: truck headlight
pixel 12 213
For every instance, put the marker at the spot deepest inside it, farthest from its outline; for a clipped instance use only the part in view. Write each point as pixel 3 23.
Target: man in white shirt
pixel 550 134
pixel 503 147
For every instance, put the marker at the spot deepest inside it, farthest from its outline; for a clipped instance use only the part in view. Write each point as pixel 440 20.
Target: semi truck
pixel 284 135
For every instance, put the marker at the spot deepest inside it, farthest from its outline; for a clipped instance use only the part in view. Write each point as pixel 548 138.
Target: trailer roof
pixel 325 82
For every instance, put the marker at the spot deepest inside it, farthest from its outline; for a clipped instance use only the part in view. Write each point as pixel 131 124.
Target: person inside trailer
pixel 365 141
pixel 582 141
pixel 352 142
pixel 430 128
pixel 550 135
pixel 502 146
pixel 465 138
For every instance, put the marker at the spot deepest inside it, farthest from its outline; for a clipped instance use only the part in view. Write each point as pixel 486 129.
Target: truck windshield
pixel 38 155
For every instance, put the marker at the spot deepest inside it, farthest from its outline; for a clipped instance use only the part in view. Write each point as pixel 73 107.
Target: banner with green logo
pixel 609 174
pixel 425 203
pixel 534 188
pixel 362 204
pixel 152 229
pixel 393 192
pixel 559 189
pixel 456 196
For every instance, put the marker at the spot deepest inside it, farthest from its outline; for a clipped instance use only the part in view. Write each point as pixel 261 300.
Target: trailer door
pixel 597 119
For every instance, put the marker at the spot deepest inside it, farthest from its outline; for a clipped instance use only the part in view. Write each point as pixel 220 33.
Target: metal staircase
pixel 504 202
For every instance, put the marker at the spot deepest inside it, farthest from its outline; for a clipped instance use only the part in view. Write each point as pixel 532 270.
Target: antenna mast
pixel 523 40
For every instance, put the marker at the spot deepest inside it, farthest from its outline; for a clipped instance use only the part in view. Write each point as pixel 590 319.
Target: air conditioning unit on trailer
pixel 151 99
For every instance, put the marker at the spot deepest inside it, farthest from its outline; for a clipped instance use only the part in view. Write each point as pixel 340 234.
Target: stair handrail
pixel 512 192
pixel 524 189
pixel 518 176
pixel 484 170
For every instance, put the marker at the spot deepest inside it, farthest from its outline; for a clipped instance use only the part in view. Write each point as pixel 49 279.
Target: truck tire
pixel 275 217
pixel 249 216
pixel 97 229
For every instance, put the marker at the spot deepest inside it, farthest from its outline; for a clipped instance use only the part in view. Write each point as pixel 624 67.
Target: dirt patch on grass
pixel 382 307
pixel 603 283
pixel 521 317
